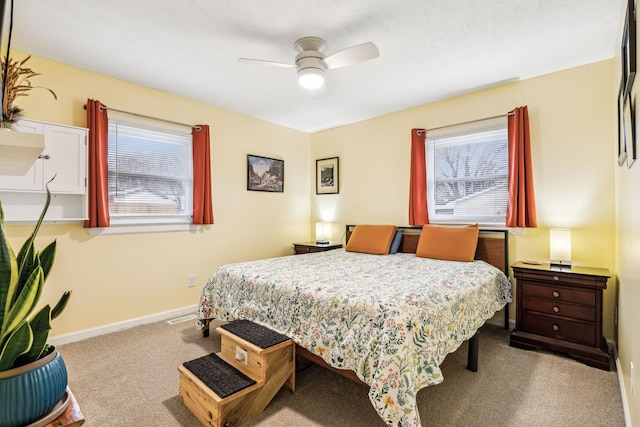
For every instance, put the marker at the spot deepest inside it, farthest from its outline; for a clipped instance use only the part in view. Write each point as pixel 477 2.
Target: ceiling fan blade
pixel 352 55
pixel 269 63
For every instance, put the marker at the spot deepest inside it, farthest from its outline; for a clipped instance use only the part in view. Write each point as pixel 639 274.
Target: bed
pixel 388 320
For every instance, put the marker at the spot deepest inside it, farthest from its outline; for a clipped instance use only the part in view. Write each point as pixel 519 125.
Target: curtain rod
pixel 467 122
pixel 148 117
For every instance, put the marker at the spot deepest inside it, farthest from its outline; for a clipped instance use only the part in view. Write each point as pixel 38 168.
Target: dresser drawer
pixel 559 308
pixel 308 249
pixel 558 293
pixel 558 277
pixel 566 330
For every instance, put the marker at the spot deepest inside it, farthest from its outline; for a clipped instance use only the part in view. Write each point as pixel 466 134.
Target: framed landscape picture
pixel 265 174
pixel 622 146
pixel 629 129
pixel 628 54
pixel 327 176
pixel 631 144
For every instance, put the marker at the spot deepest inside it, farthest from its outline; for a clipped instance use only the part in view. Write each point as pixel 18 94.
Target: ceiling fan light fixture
pixel 311 78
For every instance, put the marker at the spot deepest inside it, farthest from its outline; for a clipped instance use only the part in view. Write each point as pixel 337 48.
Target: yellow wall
pixel 571 117
pixel 120 277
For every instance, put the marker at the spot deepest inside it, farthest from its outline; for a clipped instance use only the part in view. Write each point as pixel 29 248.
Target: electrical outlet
pixel 632 376
pixel 192 281
pixel 241 355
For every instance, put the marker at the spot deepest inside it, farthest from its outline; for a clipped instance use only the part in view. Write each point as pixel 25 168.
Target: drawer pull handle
pixel 555 327
pixel 556 294
pixel 556 278
pixel 556 309
pixel 45 156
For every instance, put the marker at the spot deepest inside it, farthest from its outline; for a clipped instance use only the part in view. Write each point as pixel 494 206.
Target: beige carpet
pixel 129 378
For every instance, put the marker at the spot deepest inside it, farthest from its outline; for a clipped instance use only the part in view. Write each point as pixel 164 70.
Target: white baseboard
pixel 623 394
pixel 120 326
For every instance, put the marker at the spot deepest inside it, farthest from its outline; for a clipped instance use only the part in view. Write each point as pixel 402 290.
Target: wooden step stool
pixel 237 383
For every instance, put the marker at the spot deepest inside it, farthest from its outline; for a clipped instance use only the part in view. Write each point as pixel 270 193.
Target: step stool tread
pixel 256 334
pixel 222 378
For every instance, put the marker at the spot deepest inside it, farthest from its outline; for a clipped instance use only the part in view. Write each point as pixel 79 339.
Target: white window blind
pixel 150 172
pixel 467 174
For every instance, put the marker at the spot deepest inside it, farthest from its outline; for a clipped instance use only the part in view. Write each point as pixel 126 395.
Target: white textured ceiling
pixel 429 49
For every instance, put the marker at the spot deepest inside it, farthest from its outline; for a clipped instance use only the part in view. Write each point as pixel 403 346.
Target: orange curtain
pixel 521 208
pixel 418 212
pixel 98 167
pixel 202 197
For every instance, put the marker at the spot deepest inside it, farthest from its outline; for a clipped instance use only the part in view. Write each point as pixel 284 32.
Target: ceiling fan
pixel 312 62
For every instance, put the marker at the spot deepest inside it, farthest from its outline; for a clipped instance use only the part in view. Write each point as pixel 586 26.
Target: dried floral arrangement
pixel 17 84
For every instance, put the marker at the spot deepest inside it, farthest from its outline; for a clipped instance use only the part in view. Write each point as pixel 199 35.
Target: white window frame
pixel 140 223
pixel 441 136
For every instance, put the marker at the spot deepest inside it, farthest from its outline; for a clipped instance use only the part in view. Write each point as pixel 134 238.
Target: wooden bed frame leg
pixel 205 329
pixel 472 356
pixel 506 317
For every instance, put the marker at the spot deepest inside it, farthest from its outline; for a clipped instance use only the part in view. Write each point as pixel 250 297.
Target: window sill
pixel 140 228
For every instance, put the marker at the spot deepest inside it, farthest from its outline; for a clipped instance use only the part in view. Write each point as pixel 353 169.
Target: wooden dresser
pixel 560 309
pixel 308 247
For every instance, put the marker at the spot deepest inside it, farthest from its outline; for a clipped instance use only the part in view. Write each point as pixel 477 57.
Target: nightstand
pixel 560 309
pixel 308 247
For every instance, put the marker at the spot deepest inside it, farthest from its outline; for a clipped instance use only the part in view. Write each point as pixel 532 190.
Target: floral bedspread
pixel 391 319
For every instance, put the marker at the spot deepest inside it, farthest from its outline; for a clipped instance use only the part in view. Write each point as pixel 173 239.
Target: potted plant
pixel 16 83
pixel 33 376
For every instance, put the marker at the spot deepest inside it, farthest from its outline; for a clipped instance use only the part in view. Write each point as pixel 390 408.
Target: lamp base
pixel 322 242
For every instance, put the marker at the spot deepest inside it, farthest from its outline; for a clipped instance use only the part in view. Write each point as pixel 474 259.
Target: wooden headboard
pixel 493 245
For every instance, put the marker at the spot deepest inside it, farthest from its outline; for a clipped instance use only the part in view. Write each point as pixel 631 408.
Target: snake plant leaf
pixel 40 327
pixel 47 257
pixel 24 304
pixel 27 256
pixel 61 305
pixel 8 271
pixel 27 262
pixel 18 343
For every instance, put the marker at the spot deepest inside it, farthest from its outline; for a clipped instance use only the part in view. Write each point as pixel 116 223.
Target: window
pixel 150 173
pixel 467 173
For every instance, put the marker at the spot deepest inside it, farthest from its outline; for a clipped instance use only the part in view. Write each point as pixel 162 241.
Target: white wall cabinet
pixel 65 157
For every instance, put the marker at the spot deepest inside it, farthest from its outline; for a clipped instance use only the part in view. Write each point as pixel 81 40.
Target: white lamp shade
pixel 323 232
pixel 311 78
pixel 560 246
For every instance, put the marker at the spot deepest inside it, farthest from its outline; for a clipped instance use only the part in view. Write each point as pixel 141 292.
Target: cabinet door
pixel 65 156
pixel 32 180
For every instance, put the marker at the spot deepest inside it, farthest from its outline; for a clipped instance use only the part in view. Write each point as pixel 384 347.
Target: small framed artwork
pixel 628 54
pixel 629 129
pixel 265 174
pixel 327 176
pixel 622 146
pixel 632 152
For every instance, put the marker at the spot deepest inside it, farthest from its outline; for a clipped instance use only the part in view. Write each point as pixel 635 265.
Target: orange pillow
pixel 371 239
pixel 448 242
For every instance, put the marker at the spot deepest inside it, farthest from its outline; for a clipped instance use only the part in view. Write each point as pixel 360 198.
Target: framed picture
pixel 632 152
pixel 628 54
pixel 622 146
pixel 629 128
pixel 265 174
pixel 327 176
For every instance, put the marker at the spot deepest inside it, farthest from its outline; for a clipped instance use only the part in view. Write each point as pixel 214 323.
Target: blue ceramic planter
pixel 30 392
